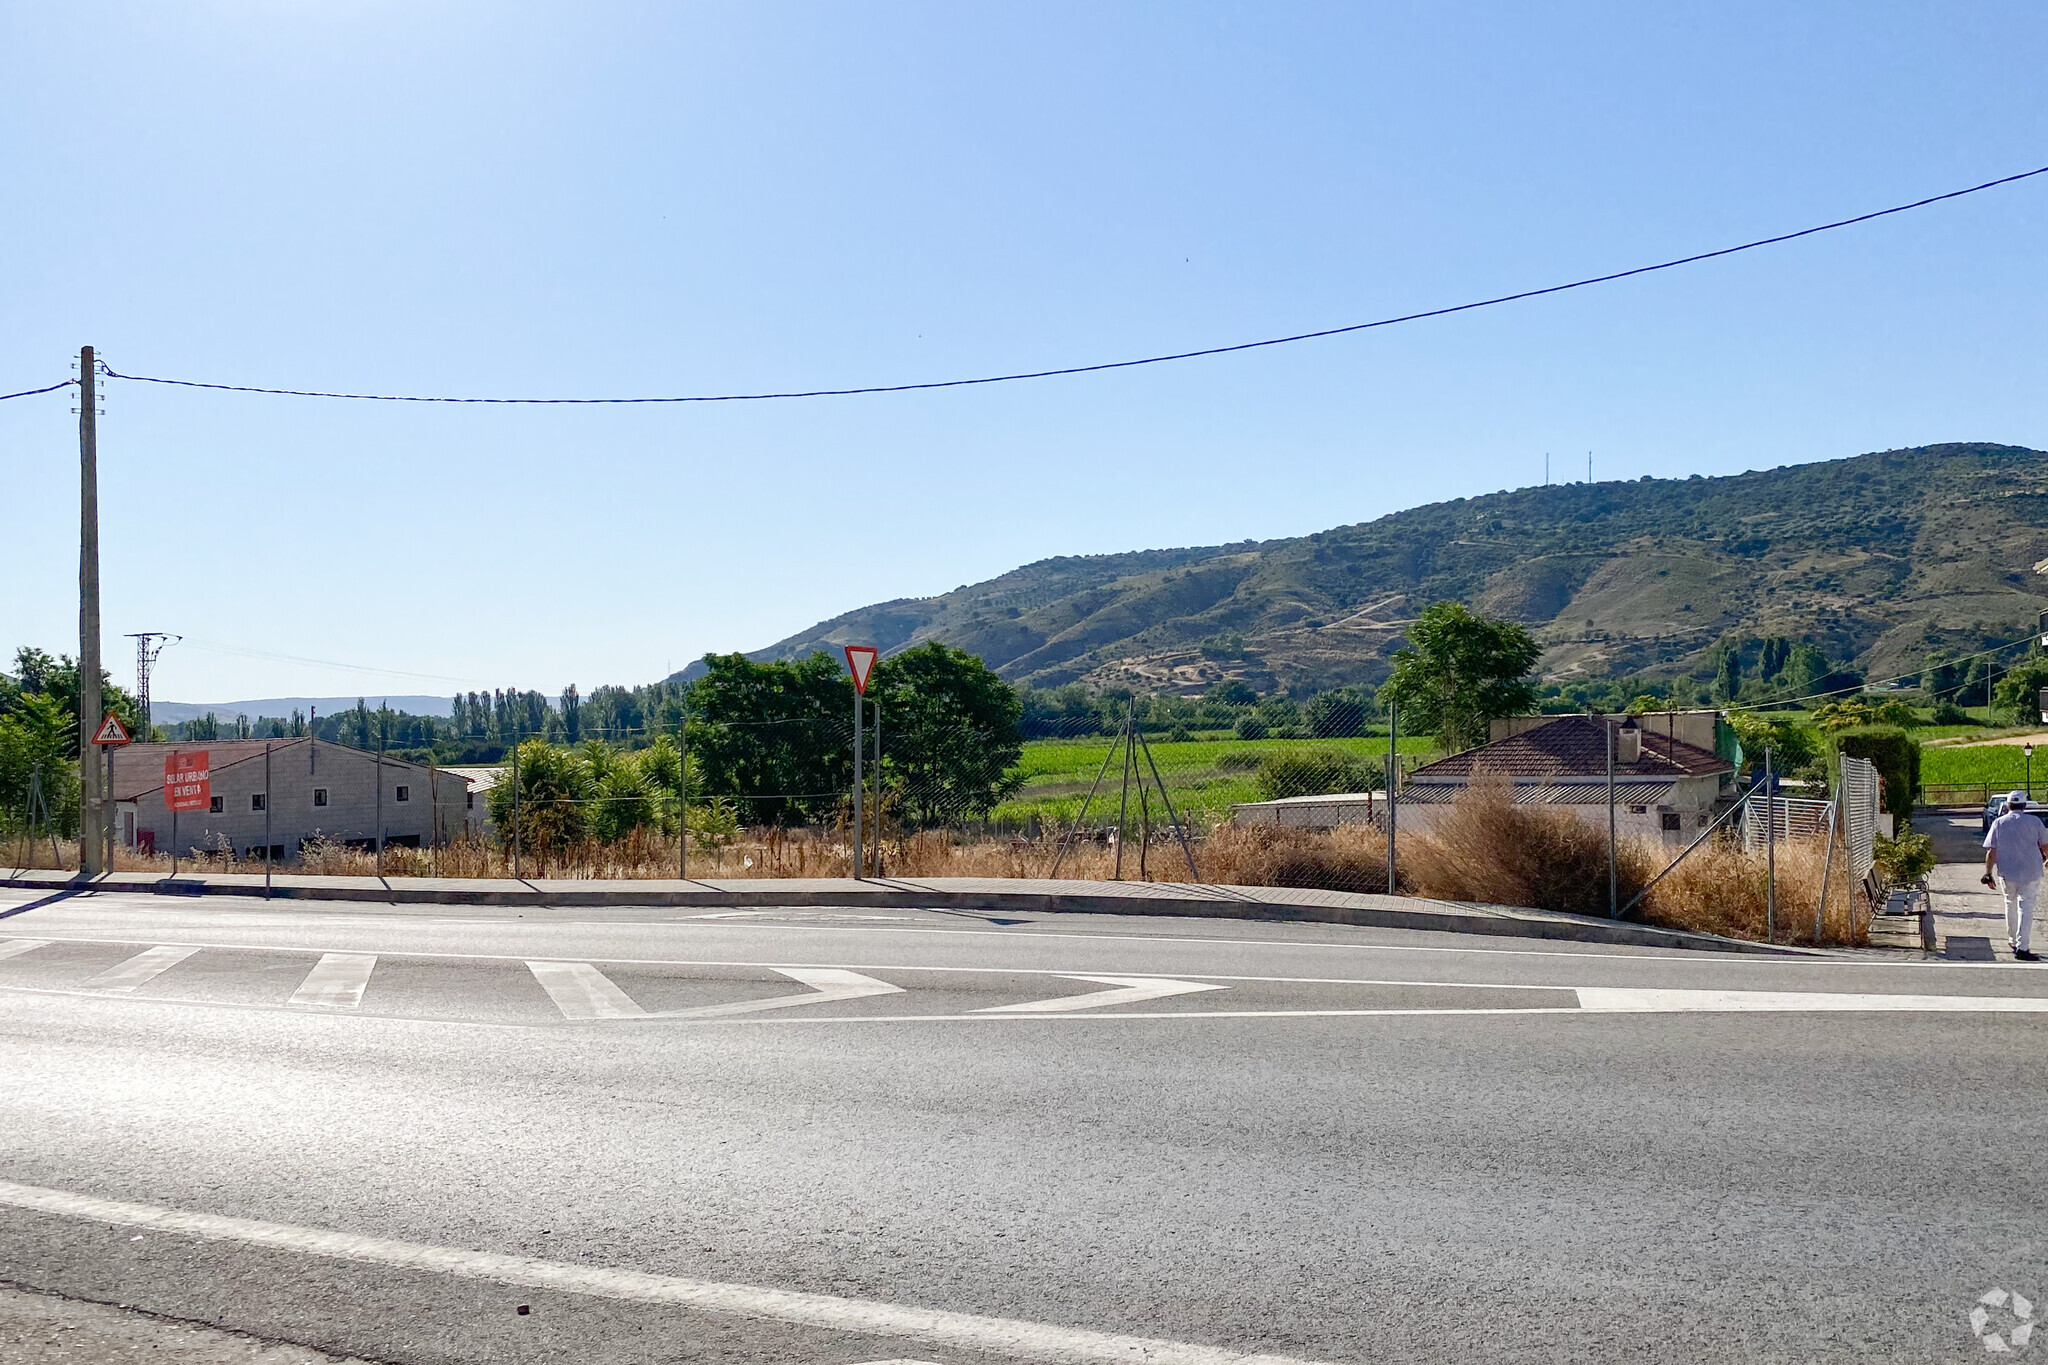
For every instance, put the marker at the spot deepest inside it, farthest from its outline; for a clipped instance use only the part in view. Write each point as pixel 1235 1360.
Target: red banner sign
pixel 188 781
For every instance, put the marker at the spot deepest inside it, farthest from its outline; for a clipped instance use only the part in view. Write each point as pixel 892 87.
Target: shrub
pixel 1948 713
pixel 1250 727
pixel 1906 859
pixel 1239 761
pixel 1314 772
pixel 1897 756
pixel 1488 850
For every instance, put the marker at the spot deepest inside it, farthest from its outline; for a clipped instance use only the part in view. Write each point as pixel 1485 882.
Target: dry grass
pixel 1484 850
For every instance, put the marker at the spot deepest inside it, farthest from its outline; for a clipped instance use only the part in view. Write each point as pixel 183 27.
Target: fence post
pixel 1393 782
pixel 1613 886
pixel 1770 853
pixel 266 822
pixel 683 796
pixel 518 873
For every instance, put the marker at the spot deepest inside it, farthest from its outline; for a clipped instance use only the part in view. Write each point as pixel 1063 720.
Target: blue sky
pixel 506 199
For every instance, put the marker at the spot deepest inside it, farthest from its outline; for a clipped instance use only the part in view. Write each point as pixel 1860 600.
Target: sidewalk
pixel 894 893
pixel 1969 920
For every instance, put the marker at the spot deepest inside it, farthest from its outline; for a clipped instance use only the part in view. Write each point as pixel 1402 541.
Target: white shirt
pixel 2017 836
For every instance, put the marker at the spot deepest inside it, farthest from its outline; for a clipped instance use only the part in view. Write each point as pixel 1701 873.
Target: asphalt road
pixel 805 1136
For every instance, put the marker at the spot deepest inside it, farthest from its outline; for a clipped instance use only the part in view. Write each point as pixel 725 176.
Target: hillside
pixel 1876 559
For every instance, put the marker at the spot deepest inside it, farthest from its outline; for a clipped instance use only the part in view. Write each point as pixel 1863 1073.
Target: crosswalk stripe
pixel 581 991
pixel 336 981
pixel 15 947
pixel 141 969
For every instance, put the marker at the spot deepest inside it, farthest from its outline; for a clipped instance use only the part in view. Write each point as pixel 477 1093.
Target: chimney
pixel 1628 742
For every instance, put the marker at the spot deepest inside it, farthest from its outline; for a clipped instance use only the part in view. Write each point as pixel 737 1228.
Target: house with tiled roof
pixel 285 793
pixel 1671 770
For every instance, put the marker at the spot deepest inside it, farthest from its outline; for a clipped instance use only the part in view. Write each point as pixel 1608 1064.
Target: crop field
pixel 1999 765
pixel 1203 777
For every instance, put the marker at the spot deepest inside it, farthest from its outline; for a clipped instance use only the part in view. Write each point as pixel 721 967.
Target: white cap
pixel 2016 800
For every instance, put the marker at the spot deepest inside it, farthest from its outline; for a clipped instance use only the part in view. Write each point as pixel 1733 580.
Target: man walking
pixel 2013 850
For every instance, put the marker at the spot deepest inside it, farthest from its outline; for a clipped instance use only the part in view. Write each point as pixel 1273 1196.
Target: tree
pixel 1792 745
pixel 1339 713
pixel 554 792
pixel 1459 671
pixel 950 736
pixel 1728 676
pixel 777 737
pixel 37 735
pixel 2018 694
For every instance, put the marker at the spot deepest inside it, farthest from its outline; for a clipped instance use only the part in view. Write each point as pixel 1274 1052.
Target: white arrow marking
pixel 826 984
pixel 1648 1001
pixel 1130 990
pixel 581 991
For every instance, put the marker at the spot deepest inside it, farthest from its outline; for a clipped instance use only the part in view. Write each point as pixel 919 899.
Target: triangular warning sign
pixel 110 733
pixel 860 660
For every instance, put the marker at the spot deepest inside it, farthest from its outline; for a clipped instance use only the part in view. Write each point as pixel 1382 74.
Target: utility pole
pixel 90 845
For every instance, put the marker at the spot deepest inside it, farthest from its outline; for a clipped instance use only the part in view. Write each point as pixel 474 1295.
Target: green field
pixel 1202 777
pixel 1998 765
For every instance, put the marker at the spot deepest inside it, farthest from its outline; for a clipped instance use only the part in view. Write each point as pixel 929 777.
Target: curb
pixel 984 894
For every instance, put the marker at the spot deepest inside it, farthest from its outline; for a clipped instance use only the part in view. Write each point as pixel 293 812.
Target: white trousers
pixel 2020 898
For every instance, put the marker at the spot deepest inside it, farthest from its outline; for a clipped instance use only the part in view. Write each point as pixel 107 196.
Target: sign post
pixel 110 736
pixel 188 785
pixel 860 661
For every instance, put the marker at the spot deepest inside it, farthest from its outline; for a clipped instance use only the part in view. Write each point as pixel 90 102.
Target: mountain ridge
pixel 1876 558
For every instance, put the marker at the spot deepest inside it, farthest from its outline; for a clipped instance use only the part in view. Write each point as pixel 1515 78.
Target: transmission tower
pixel 148 644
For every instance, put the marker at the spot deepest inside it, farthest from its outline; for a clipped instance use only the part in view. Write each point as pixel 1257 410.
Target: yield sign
pixel 111 735
pixel 860 660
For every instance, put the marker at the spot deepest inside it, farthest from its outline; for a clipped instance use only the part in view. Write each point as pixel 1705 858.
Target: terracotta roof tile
pixel 1573 746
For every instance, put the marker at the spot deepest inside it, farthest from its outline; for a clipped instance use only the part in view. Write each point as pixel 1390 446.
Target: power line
pixel 1113 364
pixel 47 388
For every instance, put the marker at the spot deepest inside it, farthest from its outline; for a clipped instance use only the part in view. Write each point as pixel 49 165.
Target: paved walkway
pixel 1969 921
pixel 967 893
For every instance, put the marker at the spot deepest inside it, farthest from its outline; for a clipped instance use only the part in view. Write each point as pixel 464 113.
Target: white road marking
pixel 15 947
pixel 141 969
pixel 1131 990
pixel 1610 999
pixel 336 981
pixel 961 1331
pixel 826 984
pixel 581 991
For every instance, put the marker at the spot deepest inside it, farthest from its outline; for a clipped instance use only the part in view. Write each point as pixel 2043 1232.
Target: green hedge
pixel 1897 757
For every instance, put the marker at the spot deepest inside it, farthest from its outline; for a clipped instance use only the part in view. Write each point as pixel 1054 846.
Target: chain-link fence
pixel 1110 795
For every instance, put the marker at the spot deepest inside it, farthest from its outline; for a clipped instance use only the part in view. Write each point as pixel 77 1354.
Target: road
pixel 810 1136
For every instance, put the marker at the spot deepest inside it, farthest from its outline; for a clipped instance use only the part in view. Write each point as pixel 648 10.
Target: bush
pixel 1239 761
pixel 1314 772
pixel 1487 850
pixel 1906 859
pixel 1897 756
pixel 1948 713
pixel 1250 727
